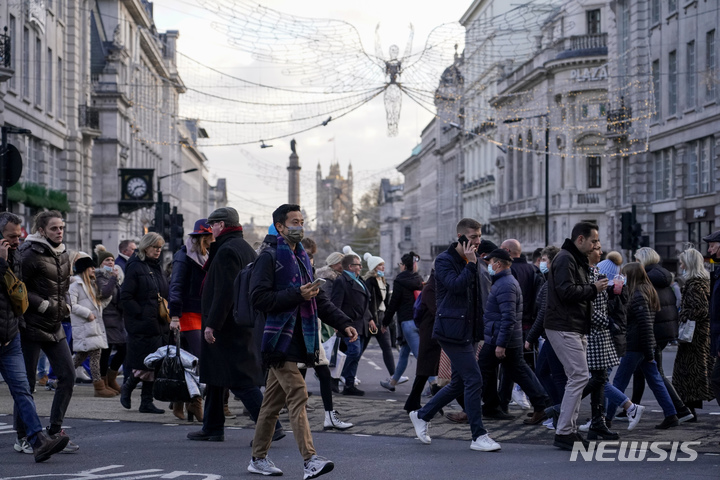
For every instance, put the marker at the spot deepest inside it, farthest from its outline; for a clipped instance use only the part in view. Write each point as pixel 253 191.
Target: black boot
pixel 598 428
pixel 146 399
pixel 126 391
pixel 44 447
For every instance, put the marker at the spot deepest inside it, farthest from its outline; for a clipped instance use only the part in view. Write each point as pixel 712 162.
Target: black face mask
pixel 55 245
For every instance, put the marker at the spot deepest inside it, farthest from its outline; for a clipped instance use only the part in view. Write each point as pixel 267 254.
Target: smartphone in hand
pixel 318 283
pixel 463 240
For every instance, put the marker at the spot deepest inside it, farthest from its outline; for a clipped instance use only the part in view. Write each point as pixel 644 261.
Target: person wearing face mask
pixel 375 280
pixel 713 241
pixel 109 278
pixel 46 272
pixel 282 287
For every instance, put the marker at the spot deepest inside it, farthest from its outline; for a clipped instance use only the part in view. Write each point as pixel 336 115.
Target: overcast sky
pixel 257 179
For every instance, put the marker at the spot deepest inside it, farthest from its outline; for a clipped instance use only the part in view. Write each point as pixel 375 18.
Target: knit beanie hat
pixel 334 258
pixel 102 254
pixel 372 261
pixel 608 268
pixel 82 263
pixel 347 250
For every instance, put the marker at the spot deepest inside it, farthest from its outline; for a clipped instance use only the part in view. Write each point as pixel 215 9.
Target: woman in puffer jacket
pixel 644 303
pixel 89 336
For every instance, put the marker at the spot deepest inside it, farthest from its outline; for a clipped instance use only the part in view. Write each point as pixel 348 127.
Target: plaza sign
pixel 589 74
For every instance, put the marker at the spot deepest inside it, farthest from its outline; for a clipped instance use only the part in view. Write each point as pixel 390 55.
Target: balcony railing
pixel 88 117
pixel 588 198
pixel 5 49
pixel 581 45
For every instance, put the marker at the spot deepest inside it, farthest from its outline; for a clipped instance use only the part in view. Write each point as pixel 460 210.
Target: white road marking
pixel 374 365
pixel 99 473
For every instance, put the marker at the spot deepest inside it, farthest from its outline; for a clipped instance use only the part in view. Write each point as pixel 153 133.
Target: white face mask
pixel 544 267
pixel 490 269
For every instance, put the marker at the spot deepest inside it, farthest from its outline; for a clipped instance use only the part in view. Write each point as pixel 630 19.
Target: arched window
pixel 519 170
pixel 529 169
pixel 509 171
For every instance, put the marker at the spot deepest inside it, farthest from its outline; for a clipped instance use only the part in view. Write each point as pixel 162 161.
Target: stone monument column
pixel 294 175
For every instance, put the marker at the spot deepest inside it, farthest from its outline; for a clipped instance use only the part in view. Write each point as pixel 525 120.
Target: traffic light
pixel 626 230
pixel 636 236
pixel 176 231
pixel 162 221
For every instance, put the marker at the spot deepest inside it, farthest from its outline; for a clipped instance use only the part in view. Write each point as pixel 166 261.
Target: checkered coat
pixel 601 352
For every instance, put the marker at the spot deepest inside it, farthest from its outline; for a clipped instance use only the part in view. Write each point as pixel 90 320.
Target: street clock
pixel 136 189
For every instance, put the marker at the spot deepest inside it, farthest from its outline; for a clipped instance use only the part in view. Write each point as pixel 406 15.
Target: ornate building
pixel 335 219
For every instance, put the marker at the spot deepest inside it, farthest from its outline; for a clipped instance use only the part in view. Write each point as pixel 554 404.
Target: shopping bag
pixel 686 331
pixel 170 384
pixel 335 356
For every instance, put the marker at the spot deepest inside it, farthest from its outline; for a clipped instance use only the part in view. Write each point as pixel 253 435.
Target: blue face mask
pixel 490 269
pixel 380 274
pixel 107 268
pixel 544 267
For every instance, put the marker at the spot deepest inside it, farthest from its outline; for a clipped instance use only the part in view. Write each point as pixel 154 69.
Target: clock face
pixel 137 187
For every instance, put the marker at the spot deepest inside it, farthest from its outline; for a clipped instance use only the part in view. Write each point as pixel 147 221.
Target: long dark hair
pixel 637 279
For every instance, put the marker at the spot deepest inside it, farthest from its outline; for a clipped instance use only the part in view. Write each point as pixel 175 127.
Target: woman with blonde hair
pixel 140 297
pixel 643 305
pixel 109 278
pixel 693 361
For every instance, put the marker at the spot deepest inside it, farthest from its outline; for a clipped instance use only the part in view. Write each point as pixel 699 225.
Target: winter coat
pixel 640 336
pixel 185 284
pixel 459 304
pixel 666 320
pixel 403 297
pixel 354 301
pixel 537 328
pixel 87 334
pixel 503 313
pixel 234 359
pixel 715 313
pixel 428 361
pixel 9 323
pixel 46 273
pixel 601 352
pixel 121 262
pixel 617 315
pixel 146 331
pixel 693 362
pixel 268 299
pixel 109 288
pixel 326 273
pixel 376 298
pixel 530 280
pixel 570 293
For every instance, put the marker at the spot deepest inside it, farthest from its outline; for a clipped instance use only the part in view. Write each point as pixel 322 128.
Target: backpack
pixel 416 306
pixel 244 313
pixel 17 291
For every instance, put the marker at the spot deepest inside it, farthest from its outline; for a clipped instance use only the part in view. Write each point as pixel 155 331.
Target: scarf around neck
pixel 279 326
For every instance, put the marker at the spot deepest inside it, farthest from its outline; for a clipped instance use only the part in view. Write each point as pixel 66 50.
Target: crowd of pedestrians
pixel 544 334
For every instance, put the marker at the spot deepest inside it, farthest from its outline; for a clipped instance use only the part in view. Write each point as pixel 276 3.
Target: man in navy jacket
pixel 458 328
pixel 503 342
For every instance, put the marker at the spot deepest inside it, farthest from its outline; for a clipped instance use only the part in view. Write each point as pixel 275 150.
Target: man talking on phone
pixel 458 328
pixel 281 287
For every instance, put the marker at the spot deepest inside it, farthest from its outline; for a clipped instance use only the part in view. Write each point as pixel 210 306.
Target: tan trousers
pixel 571 350
pixel 284 385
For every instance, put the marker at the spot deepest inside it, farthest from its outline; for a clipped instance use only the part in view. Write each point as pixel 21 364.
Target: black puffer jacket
pixel 640 337
pixel 185 284
pixel 46 273
pixel 139 299
pixel 112 313
pixel 537 328
pixel 666 320
pixel 403 297
pixel 530 281
pixel 9 323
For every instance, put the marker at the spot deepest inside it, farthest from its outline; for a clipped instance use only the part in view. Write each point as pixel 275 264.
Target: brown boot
pixel 111 380
pixel 101 391
pixel 227 412
pixel 195 409
pixel 179 410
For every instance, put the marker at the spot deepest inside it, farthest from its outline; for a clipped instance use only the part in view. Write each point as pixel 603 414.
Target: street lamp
pixel 159 214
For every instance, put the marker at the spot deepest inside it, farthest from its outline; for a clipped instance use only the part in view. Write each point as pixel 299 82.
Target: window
pixel 663 166
pixel 59 83
pixel 626 180
pixel 54 180
pixel 710 67
pixel 696 232
pixel 26 63
pixel 13 49
pixel 38 71
pixel 49 79
pixel 594 172
pixel 692 164
pixel 519 168
pixel 408 233
pixel 656 88
pixel 690 76
pixel 593 22
pixel 34 152
pixel 624 50
pixel 603 110
pixel 655 11
pixel 584 111
pixel 699 155
pixel 529 173
pixel 672 83
pixel 672 6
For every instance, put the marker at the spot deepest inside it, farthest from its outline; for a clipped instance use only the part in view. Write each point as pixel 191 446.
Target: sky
pixel 257 178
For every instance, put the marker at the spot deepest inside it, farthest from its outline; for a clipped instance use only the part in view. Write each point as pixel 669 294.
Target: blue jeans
pixel 628 364
pixel 550 373
pixel 612 394
pixel 465 376
pixel 12 368
pixel 43 365
pixel 354 352
pixel 411 334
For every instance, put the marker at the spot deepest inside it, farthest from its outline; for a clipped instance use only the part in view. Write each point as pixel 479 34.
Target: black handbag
pixel 170 384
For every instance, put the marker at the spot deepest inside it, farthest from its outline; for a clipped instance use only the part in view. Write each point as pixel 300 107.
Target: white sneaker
pixel 634 416
pixel 332 420
pixel 357 381
pixel 81 374
pixel 421 427
pixel 586 427
pixel 520 398
pixel 549 424
pixel 485 444
pixel 403 379
pixel 22 445
pixel 264 466
pixel 317 466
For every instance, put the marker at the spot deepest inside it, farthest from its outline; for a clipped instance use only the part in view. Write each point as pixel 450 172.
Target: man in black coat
pixel 351 295
pixel 229 355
